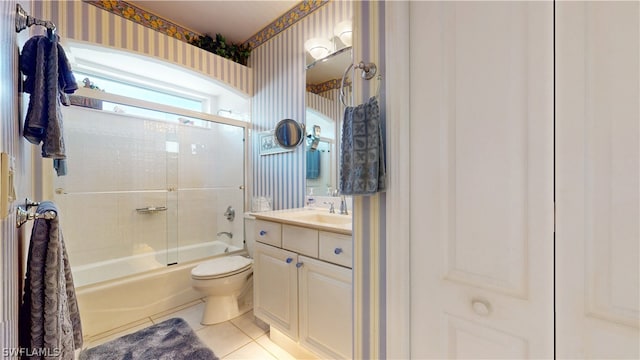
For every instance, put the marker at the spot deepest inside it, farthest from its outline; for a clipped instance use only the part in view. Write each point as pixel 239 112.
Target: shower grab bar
pixel 151 209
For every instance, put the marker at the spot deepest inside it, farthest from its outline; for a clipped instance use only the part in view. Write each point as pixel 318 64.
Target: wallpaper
pixel 82 21
pixel 279 66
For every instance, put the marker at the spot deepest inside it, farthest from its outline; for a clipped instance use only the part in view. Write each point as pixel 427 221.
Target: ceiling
pixel 236 20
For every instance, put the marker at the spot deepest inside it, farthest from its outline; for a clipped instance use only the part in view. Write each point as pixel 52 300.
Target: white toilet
pixel 227 283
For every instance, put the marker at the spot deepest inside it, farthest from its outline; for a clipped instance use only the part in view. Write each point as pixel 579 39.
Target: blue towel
pixel 48 80
pixel 362 168
pixel 313 164
pixel 49 314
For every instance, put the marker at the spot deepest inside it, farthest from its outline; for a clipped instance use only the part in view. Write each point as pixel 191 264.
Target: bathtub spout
pixel 230 235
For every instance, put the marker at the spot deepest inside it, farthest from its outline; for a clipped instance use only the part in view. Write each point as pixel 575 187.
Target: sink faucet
pixel 343 206
pixel 230 235
pixel 332 210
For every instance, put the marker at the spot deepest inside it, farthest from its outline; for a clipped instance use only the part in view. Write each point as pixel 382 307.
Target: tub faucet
pixel 230 235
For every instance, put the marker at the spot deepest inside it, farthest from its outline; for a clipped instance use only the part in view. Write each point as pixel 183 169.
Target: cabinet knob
pixel 263 232
pixel 299 265
pixel 337 251
pixel 289 260
pixel 481 307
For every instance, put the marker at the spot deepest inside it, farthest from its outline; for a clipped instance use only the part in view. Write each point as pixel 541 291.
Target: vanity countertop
pixel 319 219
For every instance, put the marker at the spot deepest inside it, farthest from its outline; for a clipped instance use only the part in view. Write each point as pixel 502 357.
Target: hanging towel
pixel 362 168
pixel 48 80
pixel 49 316
pixel 313 164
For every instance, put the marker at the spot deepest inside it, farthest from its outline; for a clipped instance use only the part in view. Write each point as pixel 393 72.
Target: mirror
pixel 288 133
pixel 324 112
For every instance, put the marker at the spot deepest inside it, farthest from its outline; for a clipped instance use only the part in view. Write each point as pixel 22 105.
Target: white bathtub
pixel 128 299
pixel 144 261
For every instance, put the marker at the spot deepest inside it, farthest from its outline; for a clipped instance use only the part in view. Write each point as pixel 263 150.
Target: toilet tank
pixel 249 227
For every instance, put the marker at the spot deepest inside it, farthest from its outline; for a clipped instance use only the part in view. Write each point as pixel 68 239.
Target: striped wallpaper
pixel 369 227
pixel 78 20
pixel 326 103
pixel 279 68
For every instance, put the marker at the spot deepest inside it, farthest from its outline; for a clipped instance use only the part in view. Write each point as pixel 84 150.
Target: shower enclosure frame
pixel 44 188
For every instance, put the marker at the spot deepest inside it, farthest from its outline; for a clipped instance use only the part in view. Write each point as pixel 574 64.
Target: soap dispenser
pixel 311 200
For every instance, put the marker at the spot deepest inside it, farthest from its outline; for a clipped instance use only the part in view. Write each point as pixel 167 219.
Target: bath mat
pixel 172 339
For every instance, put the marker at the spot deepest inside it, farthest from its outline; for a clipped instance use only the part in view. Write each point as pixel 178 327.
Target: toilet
pixel 227 284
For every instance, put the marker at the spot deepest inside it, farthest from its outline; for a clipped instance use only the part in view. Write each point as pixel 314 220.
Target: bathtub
pixel 145 260
pixel 118 301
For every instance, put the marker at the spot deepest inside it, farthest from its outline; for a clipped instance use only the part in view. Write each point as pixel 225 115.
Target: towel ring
pixel 368 72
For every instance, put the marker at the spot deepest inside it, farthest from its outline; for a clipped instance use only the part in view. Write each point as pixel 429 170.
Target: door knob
pixel 481 307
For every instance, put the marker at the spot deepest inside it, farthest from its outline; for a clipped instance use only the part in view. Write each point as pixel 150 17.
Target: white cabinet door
pixel 276 288
pixel 481 180
pixel 325 308
pixel 598 180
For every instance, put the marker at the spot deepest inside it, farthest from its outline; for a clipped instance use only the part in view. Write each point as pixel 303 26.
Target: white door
pixel 325 308
pixel 598 179
pixel 275 292
pixel 481 180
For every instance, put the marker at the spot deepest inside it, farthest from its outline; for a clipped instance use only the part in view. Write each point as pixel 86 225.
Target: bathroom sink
pixel 330 219
pixel 313 218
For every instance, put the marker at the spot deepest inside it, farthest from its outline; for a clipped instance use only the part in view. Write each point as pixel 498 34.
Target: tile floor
pixel 244 337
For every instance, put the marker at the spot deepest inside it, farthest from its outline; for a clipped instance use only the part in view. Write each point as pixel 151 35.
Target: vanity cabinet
pixel 324 294
pixel 275 288
pixel 303 287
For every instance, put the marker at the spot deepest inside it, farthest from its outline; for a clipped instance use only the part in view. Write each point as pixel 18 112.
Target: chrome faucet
pixel 332 210
pixel 343 206
pixel 230 235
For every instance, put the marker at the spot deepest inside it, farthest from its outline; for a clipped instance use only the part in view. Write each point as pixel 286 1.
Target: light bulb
pixel 343 32
pixel 317 47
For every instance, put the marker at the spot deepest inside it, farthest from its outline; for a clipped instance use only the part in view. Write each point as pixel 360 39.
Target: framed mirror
pixel 288 133
pixel 324 111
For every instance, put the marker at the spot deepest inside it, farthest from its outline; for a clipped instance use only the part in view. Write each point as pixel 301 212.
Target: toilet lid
pixel 223 266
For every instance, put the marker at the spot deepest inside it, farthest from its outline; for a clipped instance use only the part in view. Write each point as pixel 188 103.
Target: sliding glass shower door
pixel 145 192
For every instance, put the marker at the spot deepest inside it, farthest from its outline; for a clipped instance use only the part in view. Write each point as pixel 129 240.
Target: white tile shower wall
pixel 279 93
pixel 114 153
pixel 99 227
pixel 122 163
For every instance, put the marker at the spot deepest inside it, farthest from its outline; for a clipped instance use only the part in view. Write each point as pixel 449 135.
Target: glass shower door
pixel 210 188
pixel 114 199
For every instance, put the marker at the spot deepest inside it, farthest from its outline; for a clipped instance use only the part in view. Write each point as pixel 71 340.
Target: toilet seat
pixel 221 267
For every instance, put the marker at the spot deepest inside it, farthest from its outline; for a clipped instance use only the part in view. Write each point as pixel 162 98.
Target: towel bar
pixel 24 20
pixel 22 215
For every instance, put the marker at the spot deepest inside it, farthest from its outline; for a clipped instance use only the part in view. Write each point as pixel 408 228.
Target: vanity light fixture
pixel 343 32
pixel 318 47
